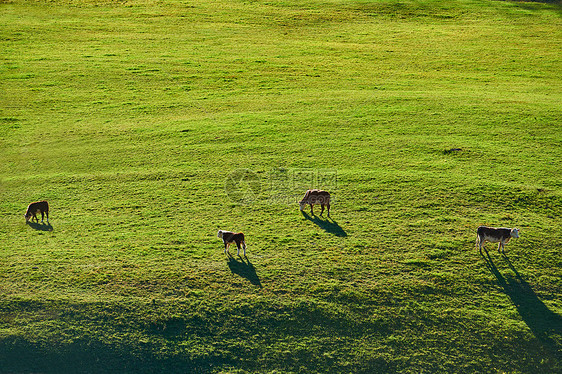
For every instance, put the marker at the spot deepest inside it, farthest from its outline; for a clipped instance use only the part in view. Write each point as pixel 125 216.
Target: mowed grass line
pixel 129 118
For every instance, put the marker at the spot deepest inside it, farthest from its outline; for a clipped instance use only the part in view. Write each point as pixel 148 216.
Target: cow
pixel 494 235
pixel 229 237
pixel 316 197
pixel 37 207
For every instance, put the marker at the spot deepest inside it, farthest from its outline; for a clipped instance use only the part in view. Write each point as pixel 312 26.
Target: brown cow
pixel 316 197
pixel 229 237
pixel 495 235
pixel 37 207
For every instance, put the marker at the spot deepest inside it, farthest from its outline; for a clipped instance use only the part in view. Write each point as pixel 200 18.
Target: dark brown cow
pixel 495 235
pixel 37 207
pixel 316 197
pixel 229 237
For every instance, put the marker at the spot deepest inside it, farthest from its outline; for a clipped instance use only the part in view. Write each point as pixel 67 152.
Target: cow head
pixel 515 233
pixel 302 204
pixel 219 235
pixel 27 217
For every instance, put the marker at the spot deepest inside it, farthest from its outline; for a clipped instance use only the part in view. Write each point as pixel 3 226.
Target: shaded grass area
pixel 332 335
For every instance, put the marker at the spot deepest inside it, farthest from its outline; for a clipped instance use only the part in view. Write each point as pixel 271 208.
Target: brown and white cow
pixel 494 235
pixel 316 197
pixel 229 237
pixel 37 207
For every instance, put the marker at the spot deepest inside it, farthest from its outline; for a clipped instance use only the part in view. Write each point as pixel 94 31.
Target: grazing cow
pixel 495 235
pixel 230 237
pixel 316 197
pixel 37 207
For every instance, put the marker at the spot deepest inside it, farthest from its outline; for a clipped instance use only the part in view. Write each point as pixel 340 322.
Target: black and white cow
pixel 494 235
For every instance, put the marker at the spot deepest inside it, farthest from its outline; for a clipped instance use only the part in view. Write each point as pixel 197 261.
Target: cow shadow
pixel 543 323
pixel 245 269
pixel 327 224
pixel 40 226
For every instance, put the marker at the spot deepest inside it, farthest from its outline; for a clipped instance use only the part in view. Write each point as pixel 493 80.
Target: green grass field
pixel 148 125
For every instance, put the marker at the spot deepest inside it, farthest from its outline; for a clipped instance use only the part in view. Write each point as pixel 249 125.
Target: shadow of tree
pixel 328 224
pixel 244 269
pixel 543 323
pixel 40 226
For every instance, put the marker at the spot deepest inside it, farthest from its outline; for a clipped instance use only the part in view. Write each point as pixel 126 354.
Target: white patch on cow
pixel 515 233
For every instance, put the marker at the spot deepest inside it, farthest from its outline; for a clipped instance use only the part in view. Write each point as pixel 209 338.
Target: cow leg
pixel 500 247
pixel 225 247
pixel 328 205
pixel 322 211
pixel 35 216
pixel 312 209
pixel 42 216
pixel 480 243
pixel 47 214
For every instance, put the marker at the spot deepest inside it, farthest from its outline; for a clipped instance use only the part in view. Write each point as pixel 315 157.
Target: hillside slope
pixel 149 125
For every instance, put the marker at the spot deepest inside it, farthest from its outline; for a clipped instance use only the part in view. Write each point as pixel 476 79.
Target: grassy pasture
pixel 149 125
